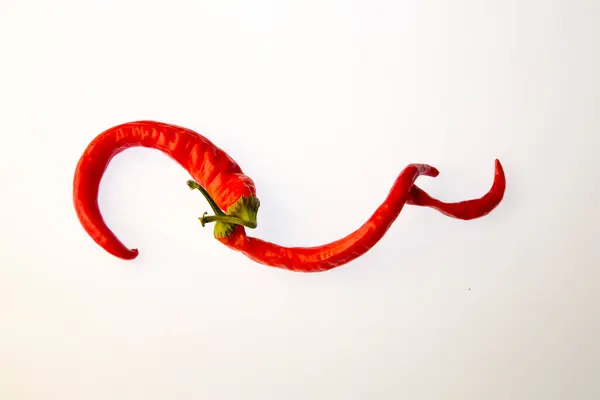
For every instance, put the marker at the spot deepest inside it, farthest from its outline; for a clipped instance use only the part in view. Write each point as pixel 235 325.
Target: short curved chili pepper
pixel 218 177
pixel 210 166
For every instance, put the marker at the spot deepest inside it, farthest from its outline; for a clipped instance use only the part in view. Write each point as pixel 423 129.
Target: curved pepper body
pixel 342 251
pixel 354 245
pixel 206 163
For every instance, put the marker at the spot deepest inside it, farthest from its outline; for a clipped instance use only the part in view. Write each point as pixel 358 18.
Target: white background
pixel 322 103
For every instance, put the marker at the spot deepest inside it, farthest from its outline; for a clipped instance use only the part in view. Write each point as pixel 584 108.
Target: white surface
pixel 322 103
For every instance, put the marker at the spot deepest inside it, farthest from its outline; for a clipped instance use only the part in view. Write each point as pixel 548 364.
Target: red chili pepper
pixel 342 251
pixel 226 187
pixel 210 166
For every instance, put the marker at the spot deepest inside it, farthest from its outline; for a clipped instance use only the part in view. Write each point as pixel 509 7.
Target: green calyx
pixel 242 212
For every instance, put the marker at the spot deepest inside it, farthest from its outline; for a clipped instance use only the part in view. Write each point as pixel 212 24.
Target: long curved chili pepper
pixel 342 251
pixel 218 177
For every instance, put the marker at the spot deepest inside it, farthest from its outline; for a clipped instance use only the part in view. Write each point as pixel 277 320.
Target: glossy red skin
pixel 210 166
pixel 354 245
pixel 225 182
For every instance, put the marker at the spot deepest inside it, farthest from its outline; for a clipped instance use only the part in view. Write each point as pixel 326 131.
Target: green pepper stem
pixel 220 215
pixel 195 185
pixel 227 219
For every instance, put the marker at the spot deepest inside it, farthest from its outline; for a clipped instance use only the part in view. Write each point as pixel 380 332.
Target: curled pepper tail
pixel 468 209
pixel 85 197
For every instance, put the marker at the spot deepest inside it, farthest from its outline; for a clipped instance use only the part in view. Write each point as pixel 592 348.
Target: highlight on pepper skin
pixel 232 197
